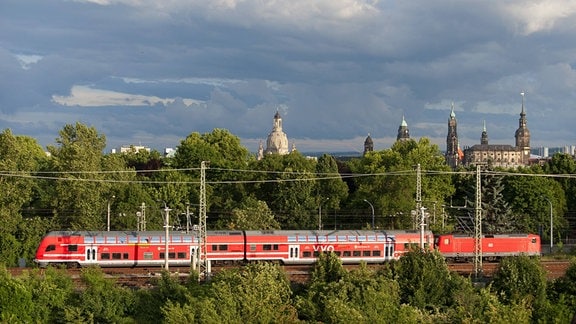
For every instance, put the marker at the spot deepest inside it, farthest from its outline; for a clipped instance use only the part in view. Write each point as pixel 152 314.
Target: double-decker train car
pixel 303 247
pixel 408 240
pixel 131 249
pixel 460 247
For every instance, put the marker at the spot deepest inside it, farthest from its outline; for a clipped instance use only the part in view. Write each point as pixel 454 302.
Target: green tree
pixel 286 183
pixel 20 157
pixel 80 196
pixel 102 301
pixel 254 215
pixel 520 277
pixel 392 186
pixel 424 279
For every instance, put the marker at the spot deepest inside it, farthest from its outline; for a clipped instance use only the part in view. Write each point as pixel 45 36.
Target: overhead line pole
pixel 478 226
pixel 204 266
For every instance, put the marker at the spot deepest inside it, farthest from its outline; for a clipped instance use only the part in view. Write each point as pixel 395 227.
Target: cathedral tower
pixel 452 147
pixel 484 137
pixel 523 135
pixel 368 144
pixel 403 133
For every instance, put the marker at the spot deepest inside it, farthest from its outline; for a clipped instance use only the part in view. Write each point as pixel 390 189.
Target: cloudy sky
pixel 151 72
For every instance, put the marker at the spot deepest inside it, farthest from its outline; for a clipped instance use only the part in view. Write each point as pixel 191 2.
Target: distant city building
pixel 502 155
pixel 403 132
pixel 132 149
pixel 368 144
pixel 277 141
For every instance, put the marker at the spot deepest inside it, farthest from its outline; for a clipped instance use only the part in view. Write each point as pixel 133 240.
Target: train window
pixel 155 239
pixel 214 247
pixel 275 247
pixel 171 255
pixel 291 238
pixel 342 238
pixel 306 254
pixel 346 253
pixel 356 253
pixel 338 253
pixel 161 255
pixel 116 256
pixel 110 239
pixel 148 256
pixel 187 239
pixel 267 247
pixel 223 247
pixel 371 238
pixel 533 240
pixel 50 247
pixel 99 239
pixel 361 238
pixel 252 247
pixel 321 238
pixel 316 254
pixel 352 238
pixel 132 239
pixel 125 256
pixel 181 255
pixel 105 256
pixel 332 238
pixel 446 241
pixel 302 238
pixel 376 253
pixel 380 238
pixel 366 253
pixel 72 248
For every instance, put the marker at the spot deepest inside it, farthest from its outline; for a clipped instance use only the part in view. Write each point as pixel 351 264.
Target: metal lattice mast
pixel 418 194
pixel 478 226
pixel 203 264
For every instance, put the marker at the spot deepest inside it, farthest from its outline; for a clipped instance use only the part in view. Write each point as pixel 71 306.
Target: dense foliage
pixel 416 289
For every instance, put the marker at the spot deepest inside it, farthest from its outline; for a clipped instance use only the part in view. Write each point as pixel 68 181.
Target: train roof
pixel 490 235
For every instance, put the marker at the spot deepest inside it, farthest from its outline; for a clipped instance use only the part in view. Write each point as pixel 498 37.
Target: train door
pixel 293 252
pixel 91 254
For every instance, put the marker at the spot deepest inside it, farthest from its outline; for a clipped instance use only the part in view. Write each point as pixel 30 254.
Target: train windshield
pixel 50 247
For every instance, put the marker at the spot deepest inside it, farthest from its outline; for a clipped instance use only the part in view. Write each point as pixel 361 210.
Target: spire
pixel 368 144
pixel 403 122
pixel 452 114
pixel 484 137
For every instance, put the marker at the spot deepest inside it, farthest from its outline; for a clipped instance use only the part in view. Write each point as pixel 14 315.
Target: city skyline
pixel 150 73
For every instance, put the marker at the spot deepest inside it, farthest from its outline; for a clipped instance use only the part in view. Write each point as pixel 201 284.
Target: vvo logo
pixel 323 248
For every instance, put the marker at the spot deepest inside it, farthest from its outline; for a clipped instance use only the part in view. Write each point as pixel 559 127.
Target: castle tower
pixel 484 138
pixel 523 135
pixel 452 146
pixel 277 141
pixel 368 144
pixel 403 132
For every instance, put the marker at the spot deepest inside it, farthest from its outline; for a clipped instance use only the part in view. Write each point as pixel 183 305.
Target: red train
pixel 132 249
pixel 456 247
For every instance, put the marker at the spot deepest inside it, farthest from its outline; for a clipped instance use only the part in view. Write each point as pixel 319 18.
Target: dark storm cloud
pixel 151 72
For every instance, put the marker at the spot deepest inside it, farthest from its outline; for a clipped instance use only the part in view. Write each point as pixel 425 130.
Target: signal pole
pixel 167 236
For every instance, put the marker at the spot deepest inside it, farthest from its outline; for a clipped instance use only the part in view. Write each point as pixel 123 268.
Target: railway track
pixel 147 276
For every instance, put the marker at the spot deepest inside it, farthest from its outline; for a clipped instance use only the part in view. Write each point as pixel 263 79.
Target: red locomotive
pixel 460 247
pixel 130 249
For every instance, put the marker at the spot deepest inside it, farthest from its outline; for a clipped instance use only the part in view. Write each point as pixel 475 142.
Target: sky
pixel 149 72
